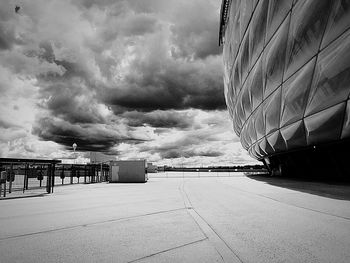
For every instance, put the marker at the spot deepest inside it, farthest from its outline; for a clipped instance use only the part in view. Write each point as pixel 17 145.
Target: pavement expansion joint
pixel 59 211
pixel 91 224
pixel 169 249
pixel 224 250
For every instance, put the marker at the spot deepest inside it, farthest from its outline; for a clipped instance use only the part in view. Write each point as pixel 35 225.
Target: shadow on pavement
pixel 331 189
pixel 21 196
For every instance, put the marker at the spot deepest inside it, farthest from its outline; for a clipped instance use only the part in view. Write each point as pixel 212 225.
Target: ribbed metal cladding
pixel 287 72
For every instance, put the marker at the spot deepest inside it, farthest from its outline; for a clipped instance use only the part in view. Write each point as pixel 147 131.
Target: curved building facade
pixel 287 81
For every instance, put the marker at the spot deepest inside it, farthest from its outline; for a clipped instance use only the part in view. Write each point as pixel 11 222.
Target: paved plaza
pixel 206 219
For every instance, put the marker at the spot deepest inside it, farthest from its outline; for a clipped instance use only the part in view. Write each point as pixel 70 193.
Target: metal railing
pixel 34 176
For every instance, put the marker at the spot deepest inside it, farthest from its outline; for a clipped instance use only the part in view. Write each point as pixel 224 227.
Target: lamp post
pixel 74 147
pixel 73 166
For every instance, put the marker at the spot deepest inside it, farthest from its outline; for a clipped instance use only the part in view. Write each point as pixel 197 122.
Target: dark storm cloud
pixel 129 26
pixel 154 80
pixel 181 143
pixel 138 25
pixel 72 107
pixel 159 131
pixel 188 145
pixel 100 3
pixel 194 24
pixel 88 137
pixel 7 125
pixel 71 69
pixel 68 96
pixel 169 85
pixel 207 153
pixel 159 119
pixel 193 36
pixel 111 74
pixel 47 52
pixel 177 68
pixel 173 153
pixel 7 28
pixel 7 37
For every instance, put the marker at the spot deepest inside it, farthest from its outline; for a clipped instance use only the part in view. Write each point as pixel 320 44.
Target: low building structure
pixel 128 171
pixel 151 168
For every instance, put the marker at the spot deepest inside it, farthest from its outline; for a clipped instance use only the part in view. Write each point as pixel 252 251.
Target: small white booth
pixel 128 171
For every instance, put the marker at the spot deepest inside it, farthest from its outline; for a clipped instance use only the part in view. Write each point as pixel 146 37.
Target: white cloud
pixel 141 79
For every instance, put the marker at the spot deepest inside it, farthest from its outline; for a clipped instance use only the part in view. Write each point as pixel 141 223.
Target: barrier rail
pixel 40 176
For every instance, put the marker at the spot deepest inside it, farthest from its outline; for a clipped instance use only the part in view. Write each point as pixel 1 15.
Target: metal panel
pixel 287 73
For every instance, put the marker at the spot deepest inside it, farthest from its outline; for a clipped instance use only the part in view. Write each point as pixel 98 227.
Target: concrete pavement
pixel 211 219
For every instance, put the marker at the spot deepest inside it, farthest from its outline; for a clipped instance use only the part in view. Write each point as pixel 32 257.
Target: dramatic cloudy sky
pixel 132 78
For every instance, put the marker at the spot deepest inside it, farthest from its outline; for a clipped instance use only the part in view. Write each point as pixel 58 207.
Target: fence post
pixel 0 180
pixel 100 176
pixel 92 180
pixel 62 174
pixel 85 174
pixel 41 175
pixel 53 177
pixel 3 182
pixel 48 179
pixel 11 173
pixel 71 174
pixel 25 177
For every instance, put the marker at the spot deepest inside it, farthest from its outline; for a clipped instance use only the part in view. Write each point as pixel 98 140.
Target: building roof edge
pixel 223 19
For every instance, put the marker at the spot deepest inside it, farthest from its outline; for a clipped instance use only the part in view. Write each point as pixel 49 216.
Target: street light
pixel 74 147
pixel 73 166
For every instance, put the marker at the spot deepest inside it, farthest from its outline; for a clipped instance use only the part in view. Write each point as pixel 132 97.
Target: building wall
pixel 287 73
pixel 129 171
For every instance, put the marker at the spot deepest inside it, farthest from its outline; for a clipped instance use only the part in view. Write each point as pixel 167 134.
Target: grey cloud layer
pixel 89 137
pixel 160 119
pixel 107 70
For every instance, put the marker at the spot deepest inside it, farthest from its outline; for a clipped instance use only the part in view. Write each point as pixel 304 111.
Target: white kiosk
pixel 128 171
